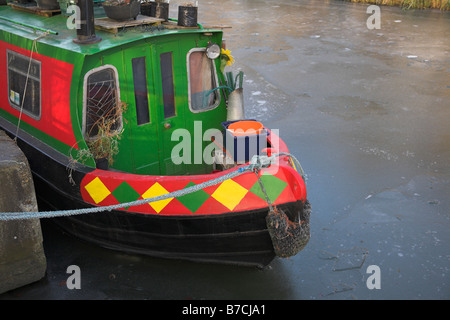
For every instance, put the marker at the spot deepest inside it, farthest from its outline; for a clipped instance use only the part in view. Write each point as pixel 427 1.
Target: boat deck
pixel 34 9
pixel 113 26
pixel 29 22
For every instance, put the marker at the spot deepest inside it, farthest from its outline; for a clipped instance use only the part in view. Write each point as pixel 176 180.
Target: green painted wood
pixel 144 149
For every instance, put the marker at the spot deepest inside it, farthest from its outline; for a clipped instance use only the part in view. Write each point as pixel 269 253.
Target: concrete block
pixel 22 257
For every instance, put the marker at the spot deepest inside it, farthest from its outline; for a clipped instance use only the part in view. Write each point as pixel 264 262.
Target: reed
pixel 410 4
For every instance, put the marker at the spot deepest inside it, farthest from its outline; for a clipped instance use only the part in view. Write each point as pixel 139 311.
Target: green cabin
pixel 138 83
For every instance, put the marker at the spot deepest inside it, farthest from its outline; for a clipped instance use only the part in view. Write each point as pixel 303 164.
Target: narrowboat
pixel 111 112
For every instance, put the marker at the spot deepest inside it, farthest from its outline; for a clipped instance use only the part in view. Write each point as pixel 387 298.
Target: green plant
pixel 105 143
pixel 81 156
pixel 231 82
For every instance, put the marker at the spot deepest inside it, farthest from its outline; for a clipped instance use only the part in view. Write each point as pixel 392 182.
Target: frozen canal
pixel 367 113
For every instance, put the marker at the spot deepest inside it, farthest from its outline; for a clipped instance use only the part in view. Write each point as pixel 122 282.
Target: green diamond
pixel 125 193
pixel 273 185
pixel 194 200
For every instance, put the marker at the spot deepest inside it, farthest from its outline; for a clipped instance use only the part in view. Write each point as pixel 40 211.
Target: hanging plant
pixel 105 144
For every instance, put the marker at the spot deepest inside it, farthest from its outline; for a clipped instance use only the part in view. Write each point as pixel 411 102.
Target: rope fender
pixel 288 237
pixel 256 163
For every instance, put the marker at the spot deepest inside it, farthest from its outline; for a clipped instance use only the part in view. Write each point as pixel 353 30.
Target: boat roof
pixel 17 22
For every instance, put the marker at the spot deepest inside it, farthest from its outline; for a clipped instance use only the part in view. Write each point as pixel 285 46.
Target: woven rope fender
pixel 288 237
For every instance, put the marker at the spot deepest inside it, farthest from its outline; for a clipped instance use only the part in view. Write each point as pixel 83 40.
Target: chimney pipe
pixel 86 32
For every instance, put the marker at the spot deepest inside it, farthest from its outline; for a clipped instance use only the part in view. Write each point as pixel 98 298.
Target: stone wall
pixel 22 258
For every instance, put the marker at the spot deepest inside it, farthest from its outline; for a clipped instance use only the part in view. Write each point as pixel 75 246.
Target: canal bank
pixel 409 4
pixel 22 257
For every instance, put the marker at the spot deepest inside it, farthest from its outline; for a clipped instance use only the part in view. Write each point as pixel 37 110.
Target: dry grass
pixel 411 4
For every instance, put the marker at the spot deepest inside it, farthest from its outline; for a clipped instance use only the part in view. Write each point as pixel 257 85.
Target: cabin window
pixel 24 71
pixel 202 81
pixel 102 101
pixel 168 89
pixel 140 90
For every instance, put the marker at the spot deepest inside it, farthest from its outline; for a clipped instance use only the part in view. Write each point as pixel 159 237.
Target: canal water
pixel 366 111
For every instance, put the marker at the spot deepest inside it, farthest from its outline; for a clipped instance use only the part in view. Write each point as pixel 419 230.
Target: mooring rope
pixel 256 163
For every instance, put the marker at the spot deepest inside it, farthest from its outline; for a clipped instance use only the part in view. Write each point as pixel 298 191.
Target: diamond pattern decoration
pixel 97 190
pixel 273 185
pixel 125 193
pixel 194 200
pixel 229 193
pixel 154 191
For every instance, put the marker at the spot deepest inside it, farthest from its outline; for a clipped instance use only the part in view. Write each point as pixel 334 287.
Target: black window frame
pixel 214 79
pixel 141 90
pixel 32 69
pixel 86 106
pixel 168 84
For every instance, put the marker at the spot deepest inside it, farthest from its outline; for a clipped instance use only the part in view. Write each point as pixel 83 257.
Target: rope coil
pixel 256 163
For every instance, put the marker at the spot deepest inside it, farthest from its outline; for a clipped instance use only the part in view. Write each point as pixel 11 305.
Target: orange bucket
pixel 245 128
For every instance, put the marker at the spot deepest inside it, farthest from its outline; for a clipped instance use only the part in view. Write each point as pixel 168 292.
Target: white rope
pixel 256 163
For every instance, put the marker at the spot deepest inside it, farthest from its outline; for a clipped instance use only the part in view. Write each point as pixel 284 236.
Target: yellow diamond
pixel 154 191
pixel 229 193
pixel 97 190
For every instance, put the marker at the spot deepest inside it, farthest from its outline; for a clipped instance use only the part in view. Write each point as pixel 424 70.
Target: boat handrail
pixel 30 26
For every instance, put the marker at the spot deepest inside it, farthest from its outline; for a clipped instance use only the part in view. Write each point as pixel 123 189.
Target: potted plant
pixel 122 10
pixel 48 4
pixel 102 150
pixel 187 14
pixel 148 8
pixel 105 144
pixel 162 9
